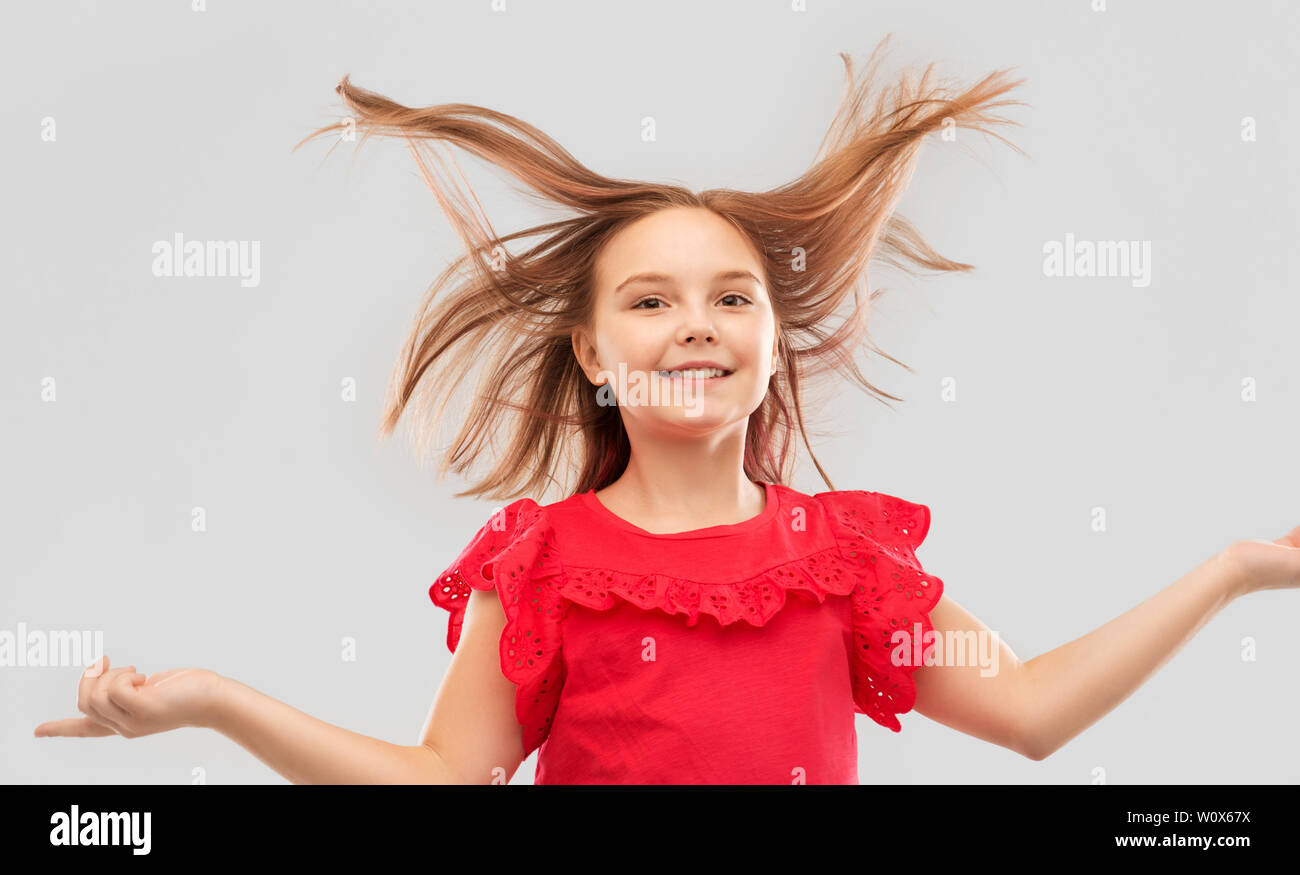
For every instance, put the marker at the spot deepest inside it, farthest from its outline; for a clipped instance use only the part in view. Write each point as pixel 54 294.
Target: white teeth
pixel 702 373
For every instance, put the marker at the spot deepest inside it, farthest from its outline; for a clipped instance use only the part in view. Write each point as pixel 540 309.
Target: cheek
pixel 632 348
pixel 758 344
pixel 639 340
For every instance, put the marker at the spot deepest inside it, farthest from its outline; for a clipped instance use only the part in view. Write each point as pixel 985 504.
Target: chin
pixel 706 421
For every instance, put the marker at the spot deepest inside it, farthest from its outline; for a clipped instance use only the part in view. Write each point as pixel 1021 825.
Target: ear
pixel 585 353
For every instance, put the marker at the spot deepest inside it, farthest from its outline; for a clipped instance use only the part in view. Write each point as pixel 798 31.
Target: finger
pixel 88 678
pixel 92 684
pixel 106 711
pixel 98 667
pixel 107 679
pixel 73 727
pixel 98 707
pixel 103 714
pixel 120 689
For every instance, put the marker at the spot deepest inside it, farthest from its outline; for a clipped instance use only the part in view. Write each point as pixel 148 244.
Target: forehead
pixel 690 243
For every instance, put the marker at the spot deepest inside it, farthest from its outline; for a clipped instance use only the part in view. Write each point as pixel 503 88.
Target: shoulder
pixel 880 516
pixel 878 534
pixel 521 518
pixel 513 554
pixel 514 546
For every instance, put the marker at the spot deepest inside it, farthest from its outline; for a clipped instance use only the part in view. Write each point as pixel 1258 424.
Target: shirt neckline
pixel 765 515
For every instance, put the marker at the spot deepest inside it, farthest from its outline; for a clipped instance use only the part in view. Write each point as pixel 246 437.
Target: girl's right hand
pixel 126 703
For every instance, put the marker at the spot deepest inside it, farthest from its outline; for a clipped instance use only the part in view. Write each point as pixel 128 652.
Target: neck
pixel 685 484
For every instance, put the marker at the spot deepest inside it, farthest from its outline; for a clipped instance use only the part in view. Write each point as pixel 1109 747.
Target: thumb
pixel 1290 539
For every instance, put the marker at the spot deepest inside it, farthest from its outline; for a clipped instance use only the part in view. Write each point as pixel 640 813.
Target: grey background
pixel 1073 393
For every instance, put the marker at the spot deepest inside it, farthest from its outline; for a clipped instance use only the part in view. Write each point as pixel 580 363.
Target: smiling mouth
pixel 700 375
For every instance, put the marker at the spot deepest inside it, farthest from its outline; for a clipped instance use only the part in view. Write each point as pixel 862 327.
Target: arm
pixel 1075 685
pixel 471 735
pixel 1036 707
pixel 985 703
pixel 310 751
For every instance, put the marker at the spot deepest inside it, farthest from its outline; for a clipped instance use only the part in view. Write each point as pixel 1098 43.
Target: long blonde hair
pixel 512 314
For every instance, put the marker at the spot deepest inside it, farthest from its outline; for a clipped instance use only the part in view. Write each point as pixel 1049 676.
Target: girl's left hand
pixel 1267 564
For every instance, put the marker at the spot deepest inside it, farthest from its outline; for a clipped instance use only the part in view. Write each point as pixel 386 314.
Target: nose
pixel 697 326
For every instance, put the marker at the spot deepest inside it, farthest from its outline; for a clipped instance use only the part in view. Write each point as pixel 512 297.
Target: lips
pixel 696 363
pixel 698 375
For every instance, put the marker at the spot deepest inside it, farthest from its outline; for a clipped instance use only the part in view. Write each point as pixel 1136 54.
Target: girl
pixel 682 615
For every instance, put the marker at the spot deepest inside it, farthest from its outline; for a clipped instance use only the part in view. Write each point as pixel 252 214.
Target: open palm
pixel 124 702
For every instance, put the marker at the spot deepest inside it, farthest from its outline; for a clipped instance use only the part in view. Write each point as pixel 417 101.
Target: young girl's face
pixel 678 286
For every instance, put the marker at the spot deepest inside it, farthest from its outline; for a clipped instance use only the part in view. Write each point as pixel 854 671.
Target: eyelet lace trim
pixel 755 600
pixel 879 534
pixel 516 556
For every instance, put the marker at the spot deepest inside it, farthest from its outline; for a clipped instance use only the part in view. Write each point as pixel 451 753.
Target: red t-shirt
pixel 733 654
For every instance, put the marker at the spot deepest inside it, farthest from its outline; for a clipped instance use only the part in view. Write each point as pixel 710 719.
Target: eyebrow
pixel 665 278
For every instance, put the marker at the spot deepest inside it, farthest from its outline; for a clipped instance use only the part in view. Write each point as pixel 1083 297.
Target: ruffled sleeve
pixel 514 553
pixel 878 535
